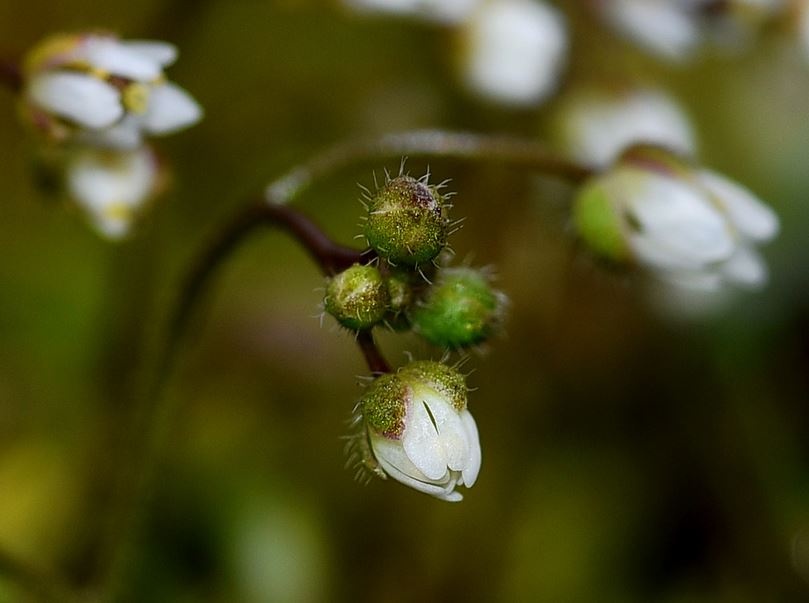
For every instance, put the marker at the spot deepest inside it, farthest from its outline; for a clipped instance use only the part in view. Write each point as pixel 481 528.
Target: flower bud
pixel 357 297
pixel 461 309
pixel 402 296
pixel 420 431
pixel 406 222
pixel 692 227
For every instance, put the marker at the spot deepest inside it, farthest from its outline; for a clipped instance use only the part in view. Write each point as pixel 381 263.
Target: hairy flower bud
pixel 420 430
pixel 461 309
pixel 357 297
pixel 406 222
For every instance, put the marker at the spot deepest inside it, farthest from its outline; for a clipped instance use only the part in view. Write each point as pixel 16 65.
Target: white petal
pixel 170 108
pixel 678 226
pixel 441 11
pixel 421 442
pixel 108 54
pixel 162 53
pixel 124 135
pixel 661 26
pixel 101 179
pixel 451 431
pixel 514 51
pixel 440 490
pixel 472 468
pixel 598 125
pixel 753 218
pixel 746 268
pixel 86 100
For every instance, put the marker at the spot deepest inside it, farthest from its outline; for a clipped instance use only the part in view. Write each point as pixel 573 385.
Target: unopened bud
pixel 461 309
pixel 357 297
pixel 406 222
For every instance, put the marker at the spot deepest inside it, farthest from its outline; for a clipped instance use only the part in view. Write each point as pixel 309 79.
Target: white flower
pixel 112 186
pixel 675 29
pixel 693 228
pixel 420 431
pixel 100 90
pixel 441 11
pixel 596 125
pixel 514 51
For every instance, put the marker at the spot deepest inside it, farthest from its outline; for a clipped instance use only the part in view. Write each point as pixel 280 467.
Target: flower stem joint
pixel 420 431
pixel 407 223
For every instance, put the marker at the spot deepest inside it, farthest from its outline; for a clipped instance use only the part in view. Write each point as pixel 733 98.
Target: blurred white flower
pixel 420 431
pixel 441 11
pixel 596 125
pixel 99 90
pixel 112 186
pixel 692 227
pixel 675 29
pixel 513 51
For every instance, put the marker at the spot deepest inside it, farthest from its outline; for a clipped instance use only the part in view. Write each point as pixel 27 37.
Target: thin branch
pixel 373 357
pixel 426 143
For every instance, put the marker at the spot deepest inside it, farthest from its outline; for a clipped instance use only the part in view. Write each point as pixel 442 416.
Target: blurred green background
pixel 625 457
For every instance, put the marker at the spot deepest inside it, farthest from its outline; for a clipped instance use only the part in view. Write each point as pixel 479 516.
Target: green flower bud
pixel 598 222
pixel 402 296
pixel 406 222
pixel 357 297
pixel 460 310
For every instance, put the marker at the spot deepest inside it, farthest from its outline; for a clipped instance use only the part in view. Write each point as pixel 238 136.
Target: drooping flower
pixel 513 51
pixel 99 90
pixel 112 187
pixel 420 431
pixel 595 125
pixel 692 227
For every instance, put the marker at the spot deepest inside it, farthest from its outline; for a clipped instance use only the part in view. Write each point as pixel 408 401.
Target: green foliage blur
pixel 626 458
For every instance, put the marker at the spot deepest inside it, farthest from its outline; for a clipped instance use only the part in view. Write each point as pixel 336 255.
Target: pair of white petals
pixel 438 450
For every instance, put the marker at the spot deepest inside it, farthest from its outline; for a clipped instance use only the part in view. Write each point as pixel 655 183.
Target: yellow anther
pixel 136 98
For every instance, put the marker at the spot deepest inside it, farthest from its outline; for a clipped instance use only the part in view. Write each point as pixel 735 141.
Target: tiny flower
pixel 420 431
pixel 99 90
pixel 693 227
pixel 596 125
pixel 461 309
pixel 357 297
pixel 513 51
pixel 112 186
pixel 406 222
pixel 440 11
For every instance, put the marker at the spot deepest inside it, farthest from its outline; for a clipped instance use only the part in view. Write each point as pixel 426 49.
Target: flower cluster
pixel 95 98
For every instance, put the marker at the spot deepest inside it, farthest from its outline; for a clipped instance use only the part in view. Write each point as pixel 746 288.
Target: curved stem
pixel 373 357
pixel 426 143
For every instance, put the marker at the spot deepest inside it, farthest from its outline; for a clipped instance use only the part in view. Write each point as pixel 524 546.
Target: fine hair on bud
pixel 407 223
pixel 461 309
pixel 357 297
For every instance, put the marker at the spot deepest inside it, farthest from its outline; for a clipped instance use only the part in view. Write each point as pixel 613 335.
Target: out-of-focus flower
pixel 99 90
pixel 597 124
pixel 513 51
pixel 420 431
pixel 674 29
pixel 112 186
pixel 692 227
pixel 441 11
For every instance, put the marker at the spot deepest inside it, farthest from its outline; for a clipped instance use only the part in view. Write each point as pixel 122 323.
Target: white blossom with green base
pixel 420 431
pixel 691 227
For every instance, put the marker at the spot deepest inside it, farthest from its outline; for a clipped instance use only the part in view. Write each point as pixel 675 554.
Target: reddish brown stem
pixel 373 357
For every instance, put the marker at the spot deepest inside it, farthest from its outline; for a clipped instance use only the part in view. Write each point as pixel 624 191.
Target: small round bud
pixel 406 222
pixel 461 309
pixel 402 296
pixel 357 297
pixel 598 223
